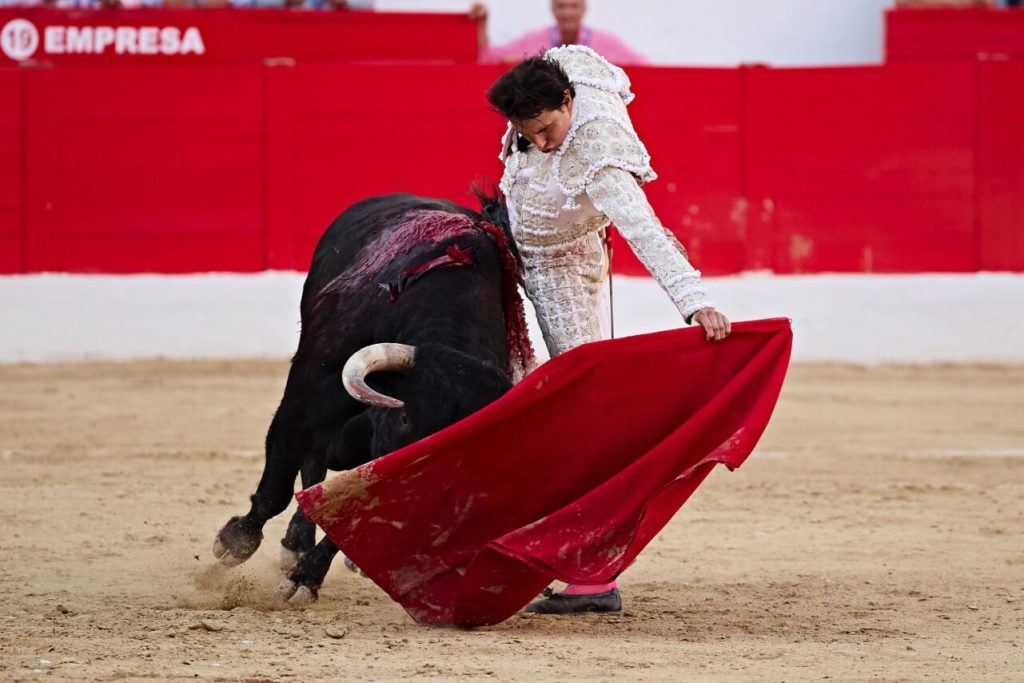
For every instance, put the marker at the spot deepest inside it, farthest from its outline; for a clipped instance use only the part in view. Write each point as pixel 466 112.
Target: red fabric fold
pixel 568 476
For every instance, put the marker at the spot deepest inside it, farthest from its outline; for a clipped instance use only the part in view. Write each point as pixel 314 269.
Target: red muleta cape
pixel 568 476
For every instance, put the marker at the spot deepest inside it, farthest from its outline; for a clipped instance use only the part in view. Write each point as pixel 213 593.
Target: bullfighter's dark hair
pixel 533 86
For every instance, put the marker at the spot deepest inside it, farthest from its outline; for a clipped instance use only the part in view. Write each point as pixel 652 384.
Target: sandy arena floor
pixel 876 534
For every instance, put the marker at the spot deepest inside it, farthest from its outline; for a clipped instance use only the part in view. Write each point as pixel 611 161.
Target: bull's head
pixel 441 386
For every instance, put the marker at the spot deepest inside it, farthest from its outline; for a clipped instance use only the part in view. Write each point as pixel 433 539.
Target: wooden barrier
pixel 898 168
pixel 965 34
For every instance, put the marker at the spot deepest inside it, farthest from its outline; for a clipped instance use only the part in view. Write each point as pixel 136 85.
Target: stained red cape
pixel 568 476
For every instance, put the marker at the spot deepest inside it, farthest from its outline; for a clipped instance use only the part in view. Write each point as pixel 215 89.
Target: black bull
pixel 393 269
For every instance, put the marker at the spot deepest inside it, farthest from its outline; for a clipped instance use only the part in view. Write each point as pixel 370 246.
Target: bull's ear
pixel 353 448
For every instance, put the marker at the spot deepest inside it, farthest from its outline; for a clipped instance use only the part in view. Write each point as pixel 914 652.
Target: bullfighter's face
pixel 548 130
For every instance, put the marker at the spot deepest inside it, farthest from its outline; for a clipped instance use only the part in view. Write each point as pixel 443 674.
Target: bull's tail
pixel 492 206
pixel 494 211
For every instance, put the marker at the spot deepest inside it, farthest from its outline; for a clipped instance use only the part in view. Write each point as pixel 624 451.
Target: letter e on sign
pixel 19 39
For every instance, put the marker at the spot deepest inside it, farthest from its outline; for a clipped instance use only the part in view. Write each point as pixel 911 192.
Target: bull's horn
pixel 376 358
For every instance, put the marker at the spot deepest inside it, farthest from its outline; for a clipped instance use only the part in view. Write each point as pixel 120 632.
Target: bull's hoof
pixel 224 556
pixel 237 541
pixel 303 597
pixel 294 594
pixel 285 590
pixel 289 558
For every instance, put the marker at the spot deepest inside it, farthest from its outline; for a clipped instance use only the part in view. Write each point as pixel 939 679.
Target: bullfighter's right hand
pixel 716 326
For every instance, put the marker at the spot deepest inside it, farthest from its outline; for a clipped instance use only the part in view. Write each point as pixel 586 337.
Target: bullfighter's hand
pixel 716 326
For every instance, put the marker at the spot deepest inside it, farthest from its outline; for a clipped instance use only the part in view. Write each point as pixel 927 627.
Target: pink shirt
pixel 537 42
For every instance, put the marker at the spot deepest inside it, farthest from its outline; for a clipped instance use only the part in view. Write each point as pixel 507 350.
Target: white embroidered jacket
pixel 560 203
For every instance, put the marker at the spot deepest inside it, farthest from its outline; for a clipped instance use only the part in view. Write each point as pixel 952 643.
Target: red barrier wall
pixel 862 169
pixel 947 34
pixel 145 169
pixel 897 168
pixel 12 171
pixel 375 130
pixel 1001 166
pixel 690 120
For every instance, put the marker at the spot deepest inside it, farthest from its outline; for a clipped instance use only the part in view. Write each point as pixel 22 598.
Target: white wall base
pixel 974 318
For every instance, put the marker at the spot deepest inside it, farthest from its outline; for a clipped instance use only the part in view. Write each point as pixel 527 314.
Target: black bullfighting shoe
pixel 560 603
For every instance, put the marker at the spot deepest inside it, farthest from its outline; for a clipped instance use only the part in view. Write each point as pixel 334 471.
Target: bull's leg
pixel 302 582
pixel 344 450
pixel 302 585
pixel 241 536
pixel 301 535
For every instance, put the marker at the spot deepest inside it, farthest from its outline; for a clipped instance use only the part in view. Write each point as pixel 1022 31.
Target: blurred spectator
pixel 82 4
pixel 259 4
pixel 338 4
pixel 568 30
pixel 292 4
